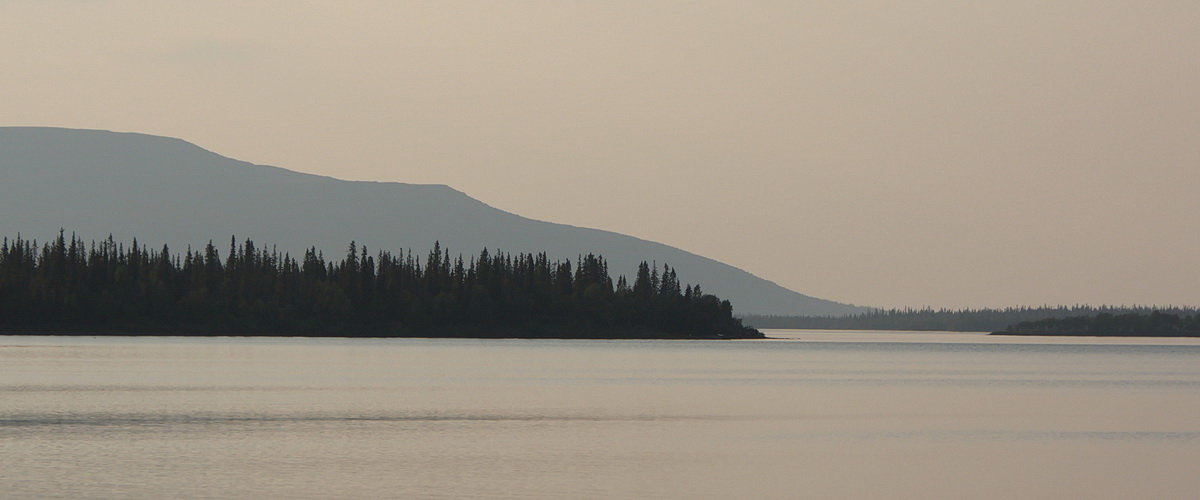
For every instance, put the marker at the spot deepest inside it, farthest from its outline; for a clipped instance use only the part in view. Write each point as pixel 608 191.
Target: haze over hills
pixel 165 190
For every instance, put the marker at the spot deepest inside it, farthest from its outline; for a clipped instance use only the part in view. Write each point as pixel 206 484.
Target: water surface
pixel 810 414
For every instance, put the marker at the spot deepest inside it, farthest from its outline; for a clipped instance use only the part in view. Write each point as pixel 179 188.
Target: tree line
pixel 959 320
pixel 1155 324
pixel 67 285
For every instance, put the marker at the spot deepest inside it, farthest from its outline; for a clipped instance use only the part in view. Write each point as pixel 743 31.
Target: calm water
pixel 859 415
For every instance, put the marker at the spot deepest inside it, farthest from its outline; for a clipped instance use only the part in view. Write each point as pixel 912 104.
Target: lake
pixel 808 414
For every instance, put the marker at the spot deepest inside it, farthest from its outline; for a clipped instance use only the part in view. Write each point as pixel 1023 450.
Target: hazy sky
pixel 907 153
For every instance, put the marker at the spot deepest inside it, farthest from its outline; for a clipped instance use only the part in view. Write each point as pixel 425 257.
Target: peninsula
pixel 68 286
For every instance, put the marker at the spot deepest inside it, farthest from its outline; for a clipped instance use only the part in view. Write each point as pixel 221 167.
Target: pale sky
pixel 907 153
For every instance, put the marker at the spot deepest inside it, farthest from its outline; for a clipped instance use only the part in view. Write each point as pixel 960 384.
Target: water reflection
pixel 833 414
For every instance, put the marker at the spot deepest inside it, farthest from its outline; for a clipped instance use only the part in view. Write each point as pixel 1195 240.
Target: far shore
pixel 1098 335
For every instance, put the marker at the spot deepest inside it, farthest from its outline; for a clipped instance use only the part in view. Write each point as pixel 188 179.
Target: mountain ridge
pixel 169 190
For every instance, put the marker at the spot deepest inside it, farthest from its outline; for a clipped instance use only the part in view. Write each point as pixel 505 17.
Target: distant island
pixel 67 286
pixel 953 320
pixel 1155 324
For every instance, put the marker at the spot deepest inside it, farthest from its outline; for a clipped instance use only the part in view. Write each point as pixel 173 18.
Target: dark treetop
pixel 68 286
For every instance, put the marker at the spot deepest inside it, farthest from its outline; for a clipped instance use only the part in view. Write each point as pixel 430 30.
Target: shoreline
pixel 453 333
pixel 1097 335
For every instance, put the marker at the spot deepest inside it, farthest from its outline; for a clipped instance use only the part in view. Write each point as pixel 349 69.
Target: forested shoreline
pixel 958 320
pixel 69 286
pixel 1155 324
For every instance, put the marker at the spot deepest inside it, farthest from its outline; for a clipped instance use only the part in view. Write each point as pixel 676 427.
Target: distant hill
pixel 96 183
